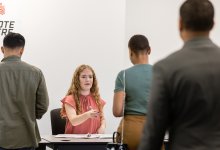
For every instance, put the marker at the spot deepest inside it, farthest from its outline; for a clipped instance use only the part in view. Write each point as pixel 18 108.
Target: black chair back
pixel 57 123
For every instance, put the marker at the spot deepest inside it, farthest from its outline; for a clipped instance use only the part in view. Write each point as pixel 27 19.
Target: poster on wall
pixel 8 18
pixel 6 25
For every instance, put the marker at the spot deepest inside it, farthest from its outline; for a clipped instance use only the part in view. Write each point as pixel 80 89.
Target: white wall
pixel 158 20
pixel 62 34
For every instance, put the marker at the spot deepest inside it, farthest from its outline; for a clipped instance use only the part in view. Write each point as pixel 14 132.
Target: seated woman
pixel 82 106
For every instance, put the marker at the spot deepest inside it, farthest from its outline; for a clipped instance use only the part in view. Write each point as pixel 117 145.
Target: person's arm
pixel 118 103
pixel 78 119
pixel 158 113
pixel 119 95
pixel 42 99
pixel 101 129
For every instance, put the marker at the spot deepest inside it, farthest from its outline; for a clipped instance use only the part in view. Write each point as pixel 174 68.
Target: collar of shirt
pixel 198 42
pixel 11 58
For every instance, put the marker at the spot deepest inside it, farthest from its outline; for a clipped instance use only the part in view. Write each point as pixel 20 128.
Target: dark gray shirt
pixel 23 99
pixel 185 99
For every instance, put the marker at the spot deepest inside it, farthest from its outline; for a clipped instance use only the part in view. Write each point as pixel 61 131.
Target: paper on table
pixel 78 136
pixel 83 136
pixel 105 136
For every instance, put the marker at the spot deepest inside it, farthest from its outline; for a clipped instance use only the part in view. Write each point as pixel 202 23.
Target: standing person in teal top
pixel 136 81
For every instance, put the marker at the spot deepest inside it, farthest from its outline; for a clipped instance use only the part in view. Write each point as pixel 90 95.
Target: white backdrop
pixel 62 34
pixel 158 20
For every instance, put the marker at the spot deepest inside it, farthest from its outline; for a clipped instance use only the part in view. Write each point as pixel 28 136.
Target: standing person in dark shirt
pixel 23 97
pixel 185 97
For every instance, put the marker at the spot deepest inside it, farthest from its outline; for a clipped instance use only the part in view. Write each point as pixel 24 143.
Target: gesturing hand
pixel 92 113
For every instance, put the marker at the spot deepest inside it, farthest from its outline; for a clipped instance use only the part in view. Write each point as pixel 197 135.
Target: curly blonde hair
pixel 75 90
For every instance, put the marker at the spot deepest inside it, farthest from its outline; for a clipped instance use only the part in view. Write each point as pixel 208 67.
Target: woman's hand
pixel 92 113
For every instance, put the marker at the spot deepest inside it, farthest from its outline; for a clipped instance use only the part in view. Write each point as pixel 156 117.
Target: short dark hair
pixel 13 40
pixel 138 43
pixel 197 15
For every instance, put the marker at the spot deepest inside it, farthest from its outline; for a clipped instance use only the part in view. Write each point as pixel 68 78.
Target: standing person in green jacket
pixel 23 97
pixel 136 81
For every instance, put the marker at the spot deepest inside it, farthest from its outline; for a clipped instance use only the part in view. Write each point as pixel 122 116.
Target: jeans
pixel 29 148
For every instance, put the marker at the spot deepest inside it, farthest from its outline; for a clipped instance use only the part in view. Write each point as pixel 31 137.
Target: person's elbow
pixel 74 122
pixel 41 112
pixel 41 109
pixel 117 113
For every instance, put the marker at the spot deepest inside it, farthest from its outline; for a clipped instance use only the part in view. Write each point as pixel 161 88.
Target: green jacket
pixel 23 99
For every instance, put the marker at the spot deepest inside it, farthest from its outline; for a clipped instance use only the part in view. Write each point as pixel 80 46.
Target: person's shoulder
pixel 127 69
pixel 120 73
pixel 139 68
pixel 32 67
pixel 68 99
pixel 168 59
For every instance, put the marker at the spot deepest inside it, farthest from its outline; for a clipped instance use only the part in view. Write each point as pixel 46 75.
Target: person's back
pixel 185 98
pixel 195 99
pixel 23 97
pixel 134 83
pixel 137 88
